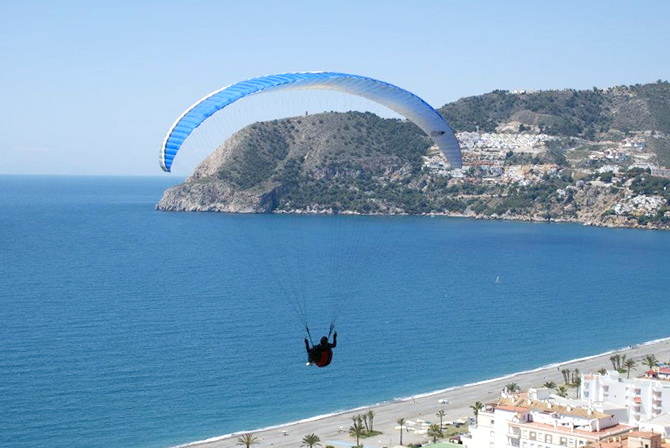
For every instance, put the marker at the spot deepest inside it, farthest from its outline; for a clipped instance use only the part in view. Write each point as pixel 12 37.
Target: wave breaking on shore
pixel 550 366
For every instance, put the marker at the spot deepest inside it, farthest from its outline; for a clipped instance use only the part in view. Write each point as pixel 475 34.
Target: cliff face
pixel 210 196
pixel 265 166
pixel 206 191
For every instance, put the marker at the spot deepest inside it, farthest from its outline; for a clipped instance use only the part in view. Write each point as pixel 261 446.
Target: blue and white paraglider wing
pixel 401 101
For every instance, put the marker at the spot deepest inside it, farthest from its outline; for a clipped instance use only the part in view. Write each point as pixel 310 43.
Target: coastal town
pixel 600 167
pixel 484 156
pixel 611 410
pixel 623 404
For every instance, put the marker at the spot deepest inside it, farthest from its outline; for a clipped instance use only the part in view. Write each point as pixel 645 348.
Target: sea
pixel 124 326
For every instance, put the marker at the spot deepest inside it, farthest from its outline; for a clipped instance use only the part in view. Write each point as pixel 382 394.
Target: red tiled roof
pixel 521 403
pixel 513 408
pixel 612 430
pixel 643 434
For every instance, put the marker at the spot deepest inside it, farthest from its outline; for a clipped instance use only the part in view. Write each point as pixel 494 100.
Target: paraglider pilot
pixel 321 354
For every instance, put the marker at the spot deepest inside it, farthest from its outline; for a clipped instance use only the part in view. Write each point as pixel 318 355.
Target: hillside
pixel 563 156
pixel 320 162
pixel 593 115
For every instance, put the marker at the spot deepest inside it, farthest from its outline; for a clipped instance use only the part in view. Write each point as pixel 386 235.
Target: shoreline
pixel 332 428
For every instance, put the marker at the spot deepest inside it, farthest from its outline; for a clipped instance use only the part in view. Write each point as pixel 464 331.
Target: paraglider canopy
pixel 395 98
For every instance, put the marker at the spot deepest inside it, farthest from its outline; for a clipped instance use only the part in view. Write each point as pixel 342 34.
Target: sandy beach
pixel 333 429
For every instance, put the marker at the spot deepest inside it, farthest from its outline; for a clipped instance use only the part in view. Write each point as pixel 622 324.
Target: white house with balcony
pixel 644 398
pixel 522 422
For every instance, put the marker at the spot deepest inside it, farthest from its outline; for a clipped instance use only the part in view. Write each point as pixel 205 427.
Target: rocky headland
pixel 563 156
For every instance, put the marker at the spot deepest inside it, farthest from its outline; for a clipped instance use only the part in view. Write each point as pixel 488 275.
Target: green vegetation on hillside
pixel 360 163
pixel 566 112
pixel 588 114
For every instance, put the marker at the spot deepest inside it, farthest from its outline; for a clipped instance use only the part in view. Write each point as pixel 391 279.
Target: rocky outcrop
pixel 204 191
pixel 215 196
pixel 268 166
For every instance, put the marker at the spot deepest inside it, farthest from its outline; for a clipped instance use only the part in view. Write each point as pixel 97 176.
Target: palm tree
pixel 364 419
pixel 440 414
pixel 630 363
pixel 562 391
pixel 614 359
pixel 434 432
pixel 361 420
pixel 476 408
pixel 550 385
pixel 401 422
pixel 371 418
pixel 650 360
pixel 622 362
pixel 575 377
pixel 512 387
pixel 357 430
pixel 247 440
pixel 311 440
pixel 578 385
pixel 603 371
pixel 566 375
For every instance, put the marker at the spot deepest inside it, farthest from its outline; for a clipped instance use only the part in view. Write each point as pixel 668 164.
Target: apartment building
pixel 644 398
pixel 522 422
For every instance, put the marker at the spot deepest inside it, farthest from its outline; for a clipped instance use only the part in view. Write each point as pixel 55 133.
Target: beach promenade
pixel 333 429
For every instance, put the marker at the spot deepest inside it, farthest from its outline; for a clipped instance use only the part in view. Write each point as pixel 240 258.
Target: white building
pixel 644 398
pixel 657 425
pixel 521 422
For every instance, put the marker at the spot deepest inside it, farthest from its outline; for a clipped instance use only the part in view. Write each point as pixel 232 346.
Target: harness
pixel 318 356
pixel 325 356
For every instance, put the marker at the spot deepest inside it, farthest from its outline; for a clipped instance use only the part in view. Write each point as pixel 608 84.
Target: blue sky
pixel 90 88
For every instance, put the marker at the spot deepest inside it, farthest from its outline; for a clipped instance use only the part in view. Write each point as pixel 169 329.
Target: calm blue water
pixel 122 326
